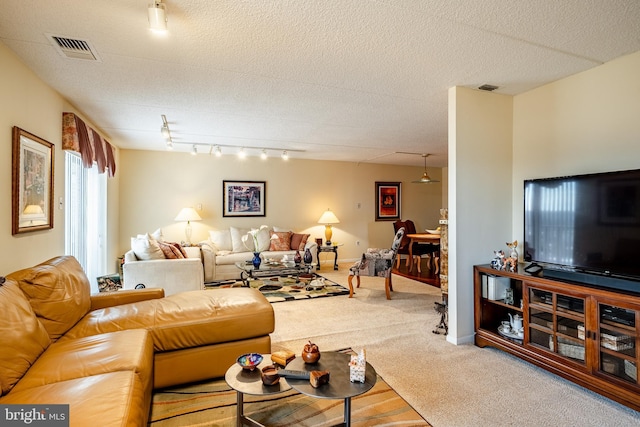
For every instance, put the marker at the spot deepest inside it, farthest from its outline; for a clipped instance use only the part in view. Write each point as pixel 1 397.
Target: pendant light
pixel 426 179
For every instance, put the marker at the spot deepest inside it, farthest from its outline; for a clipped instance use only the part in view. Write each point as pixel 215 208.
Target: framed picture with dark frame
pixel 244 198
pixel 388 201
pixel 31 183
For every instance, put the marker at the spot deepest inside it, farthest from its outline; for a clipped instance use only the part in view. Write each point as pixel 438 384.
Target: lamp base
pixel 327 234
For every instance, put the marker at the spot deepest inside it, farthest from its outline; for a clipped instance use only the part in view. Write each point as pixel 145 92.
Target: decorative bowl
pixel 249 361
pixel 433 231
pixel 270 375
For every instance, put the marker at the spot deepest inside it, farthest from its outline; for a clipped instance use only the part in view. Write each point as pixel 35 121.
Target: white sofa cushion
pixel 146 247
pixel 237 245
pixel 221 240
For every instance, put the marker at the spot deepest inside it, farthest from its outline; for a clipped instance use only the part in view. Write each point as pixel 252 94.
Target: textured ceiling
pixel 346 80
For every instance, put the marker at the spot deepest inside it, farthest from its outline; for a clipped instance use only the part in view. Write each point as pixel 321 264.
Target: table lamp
pixel 188 214
pixel 328 218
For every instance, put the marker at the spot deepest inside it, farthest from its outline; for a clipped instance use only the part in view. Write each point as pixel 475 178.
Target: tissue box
pixel 358 367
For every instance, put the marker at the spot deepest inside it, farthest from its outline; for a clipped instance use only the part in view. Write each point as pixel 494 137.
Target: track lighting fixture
pixel 217 148
pixel 157 12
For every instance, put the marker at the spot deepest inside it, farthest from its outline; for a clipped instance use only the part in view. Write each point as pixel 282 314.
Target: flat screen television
pixel 585 225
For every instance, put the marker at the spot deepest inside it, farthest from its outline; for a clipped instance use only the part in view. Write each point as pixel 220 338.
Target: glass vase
pixel 307 256
pixel 256 260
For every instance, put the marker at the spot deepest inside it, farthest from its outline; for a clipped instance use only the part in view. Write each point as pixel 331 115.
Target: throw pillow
pixel 180 248
pixel 221 240
pixel 170 250
pixel 236 240
pixel 298 241
pixel 283 241
pixel 146 247
pixel 158 235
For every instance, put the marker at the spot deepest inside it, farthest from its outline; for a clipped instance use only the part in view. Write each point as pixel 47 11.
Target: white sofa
pixel 154 263
pixel 225 247
pixel 173 275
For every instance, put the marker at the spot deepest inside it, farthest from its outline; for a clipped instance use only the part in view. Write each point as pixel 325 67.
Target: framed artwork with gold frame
pixel 31 183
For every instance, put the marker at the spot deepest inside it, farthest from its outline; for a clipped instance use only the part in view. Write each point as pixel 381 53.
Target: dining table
pixel 421 238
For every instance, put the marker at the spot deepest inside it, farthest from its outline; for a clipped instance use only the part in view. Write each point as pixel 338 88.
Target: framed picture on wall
pixel 31 183
pixel 388 201
pixel 244 198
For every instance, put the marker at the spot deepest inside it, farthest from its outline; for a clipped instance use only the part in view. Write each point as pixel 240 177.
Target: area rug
pixel 277 289
pixel 213 403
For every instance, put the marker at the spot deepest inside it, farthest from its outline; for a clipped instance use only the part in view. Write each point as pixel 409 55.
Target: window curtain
pixel 77 136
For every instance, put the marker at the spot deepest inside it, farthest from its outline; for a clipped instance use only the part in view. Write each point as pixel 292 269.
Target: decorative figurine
pixel 511 262
pixel 497 262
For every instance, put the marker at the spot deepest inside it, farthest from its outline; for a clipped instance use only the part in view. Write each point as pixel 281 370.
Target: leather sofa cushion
pixel 187 319
pixel 98 354
pixel 107 400
pixel 23 336
pixel 58 291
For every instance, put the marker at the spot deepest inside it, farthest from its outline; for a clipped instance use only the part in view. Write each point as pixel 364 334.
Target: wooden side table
pixel 332 248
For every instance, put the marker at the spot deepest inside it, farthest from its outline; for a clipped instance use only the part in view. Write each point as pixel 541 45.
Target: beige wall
pixel 480 139
pixel 586 123
pixel 589 122
pixel 30 104
pixel 159 184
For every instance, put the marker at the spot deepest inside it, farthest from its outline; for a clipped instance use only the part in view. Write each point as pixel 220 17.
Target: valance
pixel 79 137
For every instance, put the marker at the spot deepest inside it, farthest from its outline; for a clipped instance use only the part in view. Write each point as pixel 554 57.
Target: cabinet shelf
pixel 502 304
pixel 583 333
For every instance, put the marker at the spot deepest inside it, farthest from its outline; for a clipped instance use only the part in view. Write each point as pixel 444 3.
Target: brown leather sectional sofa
pixel 103 354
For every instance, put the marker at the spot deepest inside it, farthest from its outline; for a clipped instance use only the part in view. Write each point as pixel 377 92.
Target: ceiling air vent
pixel 74 48
pixel 488 88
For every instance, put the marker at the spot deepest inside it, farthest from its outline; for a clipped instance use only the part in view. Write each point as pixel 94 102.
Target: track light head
pixel 157 13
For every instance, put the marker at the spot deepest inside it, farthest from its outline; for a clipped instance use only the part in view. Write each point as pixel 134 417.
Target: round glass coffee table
pixel 250 382
pixel 339 386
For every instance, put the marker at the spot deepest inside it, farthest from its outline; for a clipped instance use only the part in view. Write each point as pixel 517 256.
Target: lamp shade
pixel 328 217
pixel 188 214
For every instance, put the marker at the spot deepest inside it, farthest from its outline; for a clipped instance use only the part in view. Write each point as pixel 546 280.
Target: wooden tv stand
pixel 585 334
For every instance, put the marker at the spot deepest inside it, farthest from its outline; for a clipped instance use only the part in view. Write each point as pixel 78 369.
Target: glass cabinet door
pixel 617 351
pixel 556 323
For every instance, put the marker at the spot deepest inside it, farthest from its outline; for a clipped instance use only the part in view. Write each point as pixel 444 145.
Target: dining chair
pixel 419 249
pixel 377 262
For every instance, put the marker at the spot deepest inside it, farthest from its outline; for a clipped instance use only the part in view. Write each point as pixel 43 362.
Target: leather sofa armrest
pixel 111 299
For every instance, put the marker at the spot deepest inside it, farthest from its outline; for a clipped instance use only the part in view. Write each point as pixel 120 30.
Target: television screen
pixel 588 223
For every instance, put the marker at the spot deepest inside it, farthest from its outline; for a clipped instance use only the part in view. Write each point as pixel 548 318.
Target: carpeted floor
pixel 277 289
pixel 213 403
